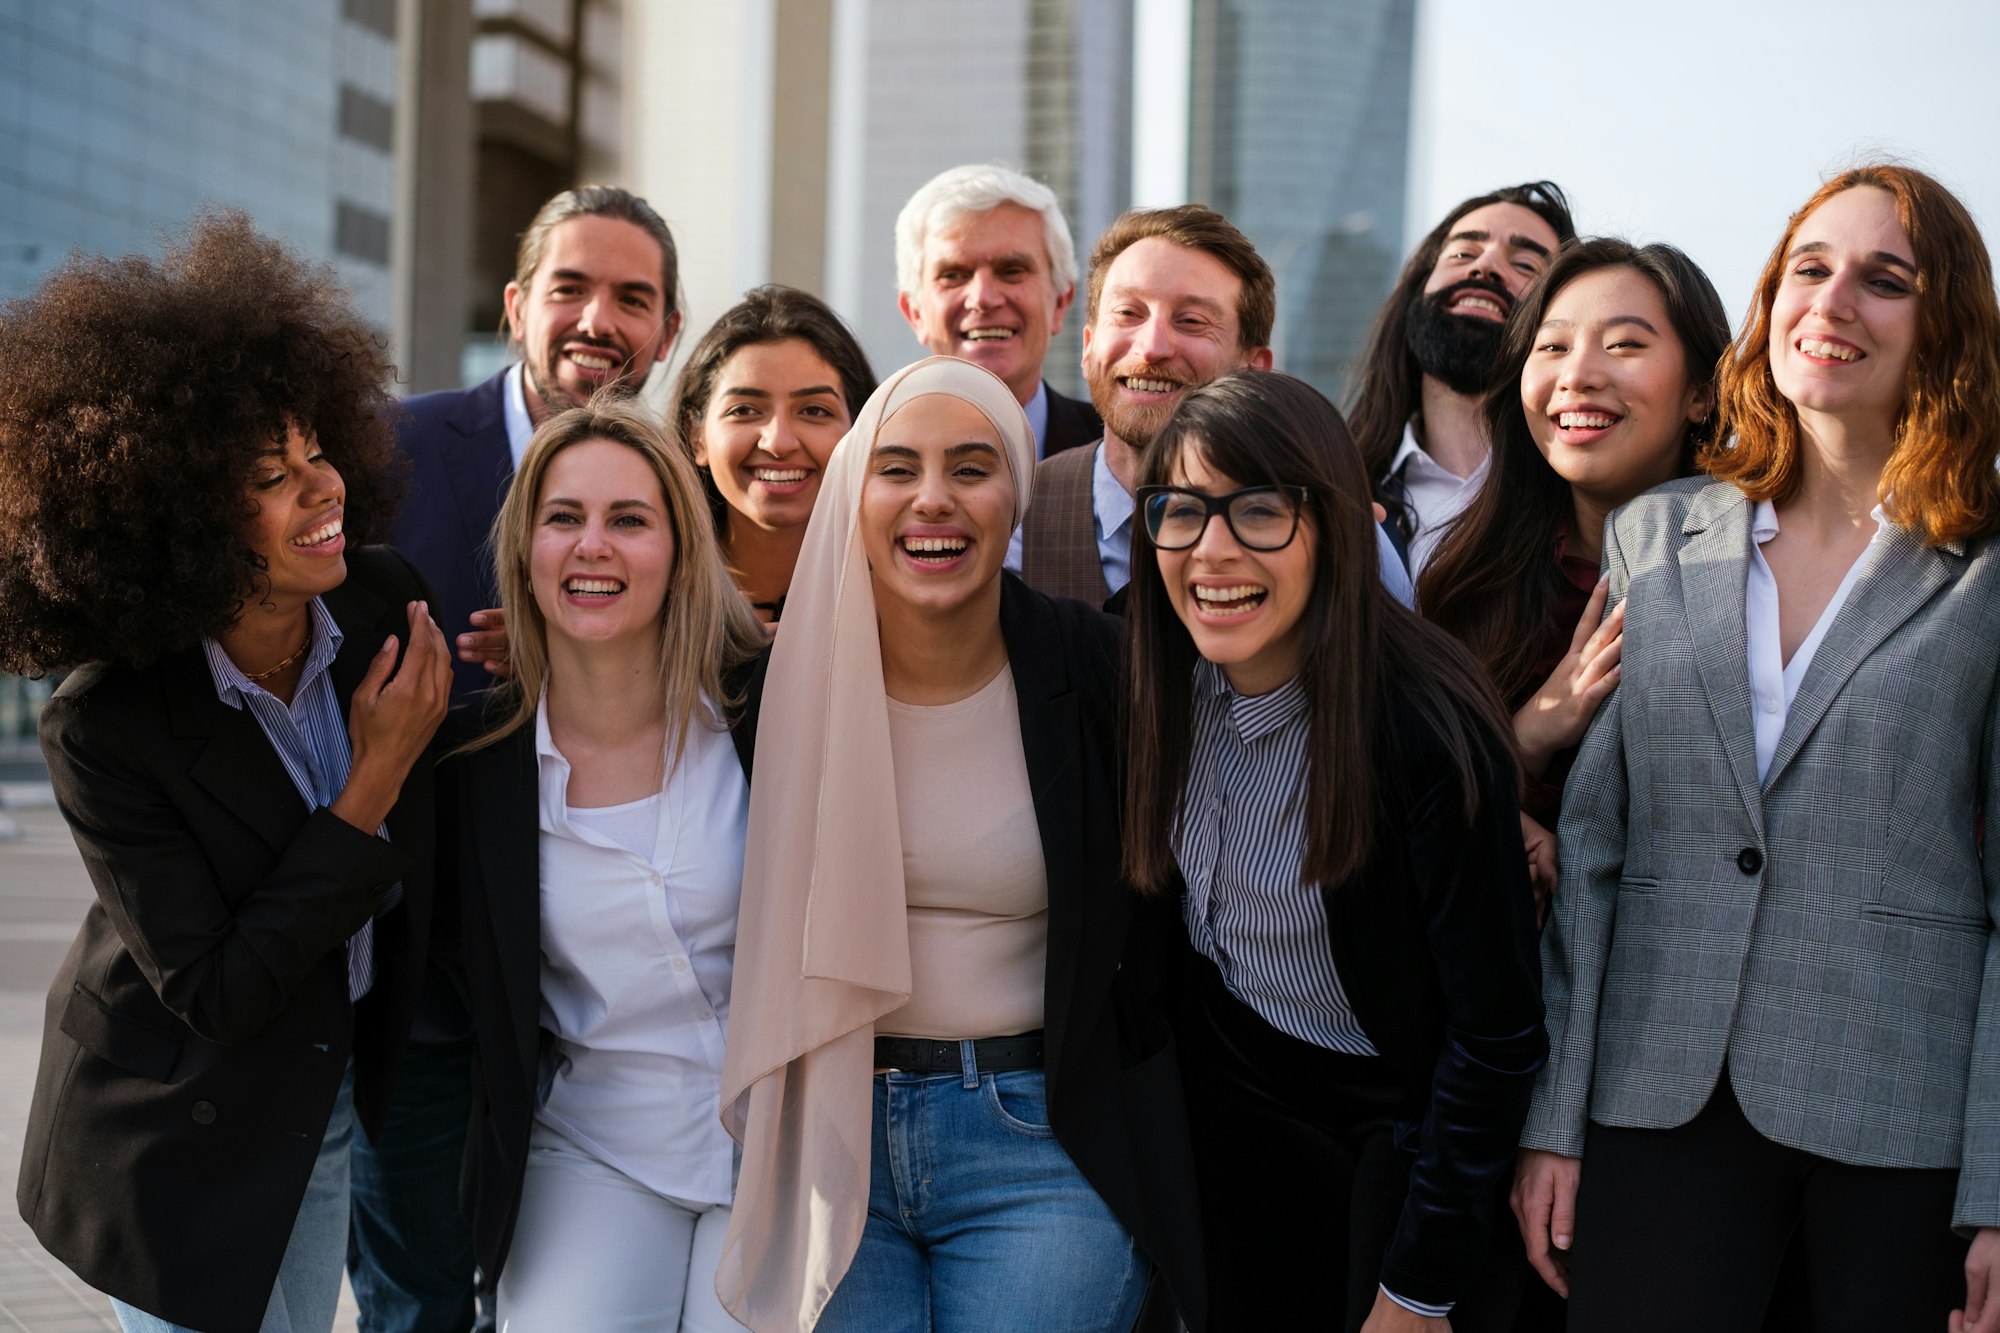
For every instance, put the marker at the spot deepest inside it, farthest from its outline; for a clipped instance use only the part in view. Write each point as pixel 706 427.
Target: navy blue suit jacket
pixel 460 468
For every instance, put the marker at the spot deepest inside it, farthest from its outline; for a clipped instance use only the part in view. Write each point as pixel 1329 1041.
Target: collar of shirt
pixel 1764 521
pixel 1109 500
pixel 1413 455
pixel 233 687
pixel 1251 716
pixel 514 408
pixel 1037 409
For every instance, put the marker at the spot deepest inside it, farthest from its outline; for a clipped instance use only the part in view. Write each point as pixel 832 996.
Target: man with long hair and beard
pixel 1415 406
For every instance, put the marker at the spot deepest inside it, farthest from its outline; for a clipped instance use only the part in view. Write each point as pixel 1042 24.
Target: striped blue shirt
pixel 1241 845
pixel 310 737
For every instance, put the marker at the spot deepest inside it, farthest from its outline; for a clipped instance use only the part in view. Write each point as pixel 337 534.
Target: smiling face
pixel 772 422
pixel 1605 388
pixel 1487 260
pixel 1244 609
pixel 1166 320
pixel 592 313
pixel 602 553
pixel 937 506
pixel 1844 319
pixel 989 296
pixel 295 523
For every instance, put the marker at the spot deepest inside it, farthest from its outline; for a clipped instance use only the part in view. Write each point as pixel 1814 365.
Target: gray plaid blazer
pixel 1830 933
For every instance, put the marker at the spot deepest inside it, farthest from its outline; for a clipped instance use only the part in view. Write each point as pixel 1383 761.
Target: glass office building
pixel 120 118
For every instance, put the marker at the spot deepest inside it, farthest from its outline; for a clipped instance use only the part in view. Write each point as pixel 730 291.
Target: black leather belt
pixel 991 1055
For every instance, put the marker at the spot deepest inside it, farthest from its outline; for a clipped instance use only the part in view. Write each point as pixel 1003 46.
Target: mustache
pixel 1443 299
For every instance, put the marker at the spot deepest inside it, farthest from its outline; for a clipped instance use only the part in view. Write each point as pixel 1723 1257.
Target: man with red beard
pixel 1176 297
pixel 1416 407
pixel 594 303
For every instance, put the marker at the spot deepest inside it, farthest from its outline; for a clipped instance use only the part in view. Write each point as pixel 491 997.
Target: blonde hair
pixel 706 626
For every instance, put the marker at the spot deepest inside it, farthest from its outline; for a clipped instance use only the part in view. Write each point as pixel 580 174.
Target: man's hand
pixel 1544 1202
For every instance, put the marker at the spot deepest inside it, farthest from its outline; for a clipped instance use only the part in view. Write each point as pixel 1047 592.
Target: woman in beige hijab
pixel 957 1102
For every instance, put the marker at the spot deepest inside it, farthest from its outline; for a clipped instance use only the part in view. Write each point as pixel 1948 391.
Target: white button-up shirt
pixel 1774 682
pixel 1433 494
pixel 636 954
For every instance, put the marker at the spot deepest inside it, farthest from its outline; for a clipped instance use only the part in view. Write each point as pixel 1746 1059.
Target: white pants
pixel 594 1249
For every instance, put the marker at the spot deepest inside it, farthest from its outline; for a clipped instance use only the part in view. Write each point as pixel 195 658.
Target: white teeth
pixel 320 535
pixel 1833 351
pixel 1236 600
pixel 778 476
pixel 934 545
pixel 1478 303
pixel 1151 386
pixel 983 335
pixel 592 360
pixel 593 586
pixel 1585 420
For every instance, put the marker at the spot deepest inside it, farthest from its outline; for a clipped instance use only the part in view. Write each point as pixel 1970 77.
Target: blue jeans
pixel 978 1220
pixel 307 1294
pixel 409 1251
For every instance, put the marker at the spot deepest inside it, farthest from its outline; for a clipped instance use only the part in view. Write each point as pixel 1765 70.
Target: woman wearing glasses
pixel 1327 784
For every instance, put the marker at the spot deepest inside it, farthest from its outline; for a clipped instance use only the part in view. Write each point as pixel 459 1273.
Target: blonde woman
pixel 596 821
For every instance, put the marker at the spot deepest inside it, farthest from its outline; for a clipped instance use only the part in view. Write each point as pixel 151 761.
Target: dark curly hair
pixel 134 399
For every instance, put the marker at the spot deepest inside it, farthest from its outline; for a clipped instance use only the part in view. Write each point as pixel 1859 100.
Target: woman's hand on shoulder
pixel 1389 1317
pixel 391 720
pixel 1544 1202
pixel 1981 1313
pixel 1559 713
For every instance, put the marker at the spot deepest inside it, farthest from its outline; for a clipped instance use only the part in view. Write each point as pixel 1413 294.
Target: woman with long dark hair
pixel 1605 390
pixel 1770 964
pixel 763 399
pixel 192 453
pixel 1327 784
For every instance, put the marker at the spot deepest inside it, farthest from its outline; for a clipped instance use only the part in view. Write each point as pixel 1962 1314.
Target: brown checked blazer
pixel 1059 535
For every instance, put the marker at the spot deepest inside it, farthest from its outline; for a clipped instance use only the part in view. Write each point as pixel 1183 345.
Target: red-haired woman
pixel 1770 1002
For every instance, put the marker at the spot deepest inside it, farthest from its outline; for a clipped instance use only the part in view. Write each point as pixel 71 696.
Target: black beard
pixel 1458 350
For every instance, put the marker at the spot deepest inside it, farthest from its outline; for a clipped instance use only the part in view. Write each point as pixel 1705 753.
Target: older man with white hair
pixel 985 271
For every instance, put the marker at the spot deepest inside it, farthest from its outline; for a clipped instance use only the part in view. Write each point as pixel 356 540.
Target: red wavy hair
pixel 1940 481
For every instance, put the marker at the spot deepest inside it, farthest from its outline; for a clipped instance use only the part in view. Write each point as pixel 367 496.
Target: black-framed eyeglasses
pixel 1262 518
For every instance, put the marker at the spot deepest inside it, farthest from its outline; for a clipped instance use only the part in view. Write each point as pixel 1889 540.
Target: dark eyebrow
pixel 747 391
pixel 1517 241
pixel 578 275
pixel 953 451
pixel 1611 323
pixel 1880 256
pixel 564 502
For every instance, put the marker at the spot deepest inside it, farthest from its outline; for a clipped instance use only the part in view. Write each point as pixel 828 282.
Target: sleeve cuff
pixel 1418 1307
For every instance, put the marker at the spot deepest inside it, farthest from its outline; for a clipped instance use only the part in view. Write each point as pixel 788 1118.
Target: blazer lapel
pixel 1048 743
pixel 237 765
pixel 505 815
pixel 1902 577
pixel 1714 563
pixel 479 460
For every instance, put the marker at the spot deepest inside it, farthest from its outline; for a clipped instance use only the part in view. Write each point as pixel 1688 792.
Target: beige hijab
pixel 822 944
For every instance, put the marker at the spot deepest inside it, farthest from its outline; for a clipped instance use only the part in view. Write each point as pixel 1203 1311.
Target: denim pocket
pixel 1019 1101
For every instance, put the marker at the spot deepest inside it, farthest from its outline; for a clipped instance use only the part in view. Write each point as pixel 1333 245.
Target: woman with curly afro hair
pixel 191 451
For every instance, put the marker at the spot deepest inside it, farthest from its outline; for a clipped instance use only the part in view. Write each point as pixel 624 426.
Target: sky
pixel 1701 122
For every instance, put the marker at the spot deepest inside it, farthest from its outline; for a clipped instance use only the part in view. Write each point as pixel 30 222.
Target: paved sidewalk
pixel 43 894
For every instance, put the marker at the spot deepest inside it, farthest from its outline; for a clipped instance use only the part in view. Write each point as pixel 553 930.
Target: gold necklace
pixel 272 671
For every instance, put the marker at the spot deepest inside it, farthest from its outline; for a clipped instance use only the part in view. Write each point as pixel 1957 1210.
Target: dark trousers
pixel 1688 1228
pixel 409 1252
pixel 1301 1180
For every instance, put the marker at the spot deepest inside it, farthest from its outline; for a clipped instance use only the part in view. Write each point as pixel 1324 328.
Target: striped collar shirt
pixel 1241 842
pixel 310 737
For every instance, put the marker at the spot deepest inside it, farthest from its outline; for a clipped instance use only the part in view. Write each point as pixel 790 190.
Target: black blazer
pixel 460 469
pixel 1072 422
pixel 1113 1075
pixel 197 1033
pixel 490 844
pixel 1436 947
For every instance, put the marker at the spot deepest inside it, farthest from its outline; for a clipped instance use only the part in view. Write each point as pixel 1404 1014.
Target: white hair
pixel 952 194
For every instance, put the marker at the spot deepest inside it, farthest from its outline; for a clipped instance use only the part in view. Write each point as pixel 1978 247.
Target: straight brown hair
pixel 1194 227
pixel 1940 480
pixel 1362 648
